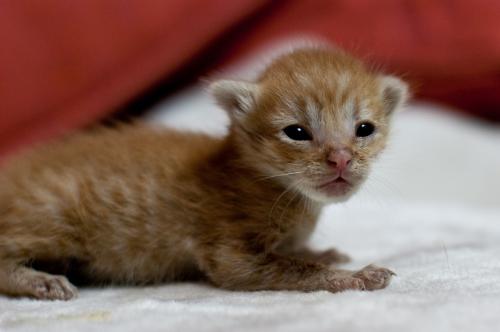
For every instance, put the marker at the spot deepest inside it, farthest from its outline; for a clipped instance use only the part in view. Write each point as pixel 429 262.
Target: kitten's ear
pixel 236 97
pixel 394 92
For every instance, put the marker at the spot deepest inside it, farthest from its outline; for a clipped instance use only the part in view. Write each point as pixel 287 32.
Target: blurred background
pixel 67 64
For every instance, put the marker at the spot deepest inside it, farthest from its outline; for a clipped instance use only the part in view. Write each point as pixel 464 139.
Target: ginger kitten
pixel 139 205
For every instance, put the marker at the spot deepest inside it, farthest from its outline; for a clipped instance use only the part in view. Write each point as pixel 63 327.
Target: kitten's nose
pixel 339 159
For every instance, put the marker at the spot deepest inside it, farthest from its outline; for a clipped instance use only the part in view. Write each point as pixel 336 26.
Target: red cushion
pixel 66 63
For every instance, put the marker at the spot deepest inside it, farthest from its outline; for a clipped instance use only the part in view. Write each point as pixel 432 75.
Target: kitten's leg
pixel 233 269
pixel 30 234
pixel 16 279
pixel 326 257
pixel 19 280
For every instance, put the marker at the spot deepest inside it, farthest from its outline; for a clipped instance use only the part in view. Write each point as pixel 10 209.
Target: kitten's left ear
pixel 236 97
pixel 394 92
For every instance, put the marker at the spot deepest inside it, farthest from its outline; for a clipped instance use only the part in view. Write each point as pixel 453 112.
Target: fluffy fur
pixel 137 204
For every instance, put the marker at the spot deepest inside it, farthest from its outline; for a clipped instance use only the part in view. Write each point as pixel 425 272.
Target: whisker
pixel 288 204
pixel 305 204
pixel 287 189
pixel 374 195
pixel 386 184
pixel 277 175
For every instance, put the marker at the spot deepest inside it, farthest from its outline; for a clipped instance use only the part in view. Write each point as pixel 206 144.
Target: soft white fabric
pixel 430 212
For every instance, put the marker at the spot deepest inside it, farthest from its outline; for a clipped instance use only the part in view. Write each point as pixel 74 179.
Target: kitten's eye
pixel 297 133
pixel 365 129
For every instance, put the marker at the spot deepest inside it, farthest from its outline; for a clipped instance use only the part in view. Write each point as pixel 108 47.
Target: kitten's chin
pixel 337 191
pixel 323 198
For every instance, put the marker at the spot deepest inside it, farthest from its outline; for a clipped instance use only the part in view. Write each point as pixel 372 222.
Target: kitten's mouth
pixel 336 187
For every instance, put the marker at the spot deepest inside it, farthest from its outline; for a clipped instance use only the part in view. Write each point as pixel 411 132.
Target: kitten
pixel 141 205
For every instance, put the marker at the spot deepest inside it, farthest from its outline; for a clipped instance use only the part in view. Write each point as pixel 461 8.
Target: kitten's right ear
pixel 236 97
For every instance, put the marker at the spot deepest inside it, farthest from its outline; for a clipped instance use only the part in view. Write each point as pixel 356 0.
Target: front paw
pixel 44 286
pixel 374 277
pixel 343 283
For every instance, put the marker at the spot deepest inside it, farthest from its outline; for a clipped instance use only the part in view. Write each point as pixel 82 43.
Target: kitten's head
pixel 315 120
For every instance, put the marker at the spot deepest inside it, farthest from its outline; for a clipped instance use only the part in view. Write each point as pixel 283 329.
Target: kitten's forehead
pixel 327 86
pixel 329 105
pixel 327 91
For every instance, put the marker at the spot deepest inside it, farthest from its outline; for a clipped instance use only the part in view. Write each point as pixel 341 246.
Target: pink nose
pixel 339 159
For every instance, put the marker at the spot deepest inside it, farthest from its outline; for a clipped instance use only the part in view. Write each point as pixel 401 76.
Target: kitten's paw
pixel 339 284
pixel 50 287
pixel 374 277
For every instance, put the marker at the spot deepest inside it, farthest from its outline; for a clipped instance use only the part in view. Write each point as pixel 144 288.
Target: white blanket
pixel 430 212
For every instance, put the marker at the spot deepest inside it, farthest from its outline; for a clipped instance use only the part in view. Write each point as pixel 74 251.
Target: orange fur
pixel 137 204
